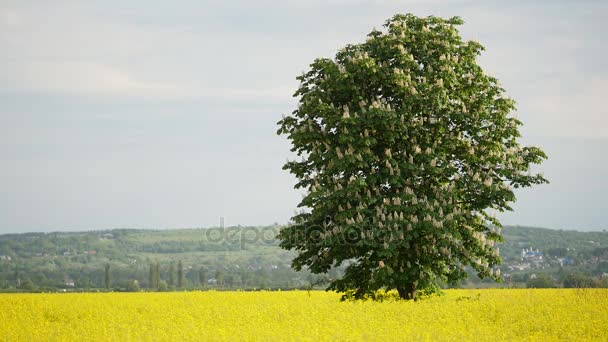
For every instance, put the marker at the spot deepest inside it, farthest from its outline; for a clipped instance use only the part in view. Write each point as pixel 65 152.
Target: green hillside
pixel 243 257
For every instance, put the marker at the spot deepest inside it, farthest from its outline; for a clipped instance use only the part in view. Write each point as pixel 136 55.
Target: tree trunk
pixel 408 291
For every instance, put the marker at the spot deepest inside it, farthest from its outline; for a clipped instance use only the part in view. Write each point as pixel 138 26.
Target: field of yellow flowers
pixel 458 315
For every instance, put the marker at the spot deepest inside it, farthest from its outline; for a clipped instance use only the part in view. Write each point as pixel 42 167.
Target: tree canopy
pixel 406 148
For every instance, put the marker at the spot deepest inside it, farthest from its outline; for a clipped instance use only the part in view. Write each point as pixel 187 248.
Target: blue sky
pixel 152 114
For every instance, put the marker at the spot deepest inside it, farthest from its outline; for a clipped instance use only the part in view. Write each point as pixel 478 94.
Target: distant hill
pixel 518 237
pixel 236 257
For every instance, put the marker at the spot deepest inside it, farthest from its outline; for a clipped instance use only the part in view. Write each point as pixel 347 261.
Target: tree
pixel 162 286
pixel 151 277
pixel 180 274
pixel 17 276
pixel 578 280
pixel 407 147
pixel 154 276
pixel 219 277
pixel 157 281
pixel 172 274
pixel 132 286
pixel 107 279
pixel 541 281
pixel 27 285
pixel 202 276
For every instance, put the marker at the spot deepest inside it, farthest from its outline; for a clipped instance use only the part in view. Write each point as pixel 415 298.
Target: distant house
pixel 530 254
pixel 90 252
pixel 533 257
pixel 565 261
pixel 5 257
pixel 520 267
pixel 70 283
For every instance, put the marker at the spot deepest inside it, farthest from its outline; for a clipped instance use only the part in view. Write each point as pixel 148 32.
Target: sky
pixel 150 114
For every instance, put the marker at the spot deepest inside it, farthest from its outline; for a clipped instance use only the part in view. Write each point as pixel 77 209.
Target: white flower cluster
pixel 449 58
pixel 360 56
pixel 488 182
pixel 345 112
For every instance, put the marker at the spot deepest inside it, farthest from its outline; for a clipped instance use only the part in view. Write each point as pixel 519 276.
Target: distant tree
pixel 172 274
pixel 262 279
pixel 132 286
pixel 237 281
pixel 407 147
pixel 107 277
pixel 220 277
pixel 558 252
pixel 202 276
pixel 157 280
pixel 541 281
pixel 83 282
pixel 180 274
pixel 163 287
pixel 27 285
pixel 151 277
pixel 520 277
pixel 601 252
pixel 578 280
pixel 602 267
pixel 39 278
pixel 17 276
pixel 154 276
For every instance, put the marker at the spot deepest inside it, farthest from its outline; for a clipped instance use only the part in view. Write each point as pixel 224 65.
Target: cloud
pixel 78 78
pixel 577 111
pixel 116 55
pixel 135 94
pixel 92 79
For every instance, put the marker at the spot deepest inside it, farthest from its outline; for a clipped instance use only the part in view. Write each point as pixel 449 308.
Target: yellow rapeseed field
pixel 459 315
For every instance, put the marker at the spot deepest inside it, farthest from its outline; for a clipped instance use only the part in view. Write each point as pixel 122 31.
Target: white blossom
pixel 476 177
pixel 345 113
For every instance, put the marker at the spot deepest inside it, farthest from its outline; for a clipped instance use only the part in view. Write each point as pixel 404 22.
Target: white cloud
pixel 184 93
pixel 78 78
pixel 577 111
pixel 83 78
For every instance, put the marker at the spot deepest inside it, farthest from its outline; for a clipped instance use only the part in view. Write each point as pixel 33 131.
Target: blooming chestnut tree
pixel 406 148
